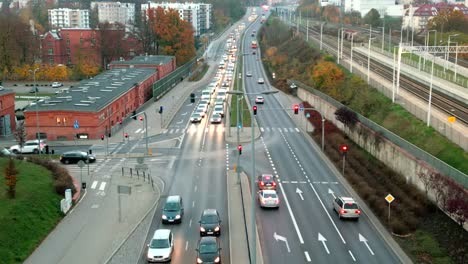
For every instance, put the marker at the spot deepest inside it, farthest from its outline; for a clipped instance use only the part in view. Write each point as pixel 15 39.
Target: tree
pixel 448 20
pixel 10 178
pixel 20 133
pixel 327 77
pixel 372 18
pixel 111 41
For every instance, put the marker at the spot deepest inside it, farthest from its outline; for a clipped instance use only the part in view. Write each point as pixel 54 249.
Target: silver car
pixel 346 207
pixel 161 246
pixel 196 118
pixel 216 119
pixel 268 199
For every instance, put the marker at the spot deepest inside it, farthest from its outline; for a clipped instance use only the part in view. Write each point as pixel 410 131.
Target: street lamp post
pixel 351 65
pixel 368 61
pixel 38 134
pixel 427 44
pixel 430 95
pixel 252 243
pixel 456 62
pixel 447 53
pixel 321 31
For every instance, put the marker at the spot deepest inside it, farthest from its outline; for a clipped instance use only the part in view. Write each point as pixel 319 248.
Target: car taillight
pixel 342 211
pixel 274 183
pixel 262 183
pixel 358 211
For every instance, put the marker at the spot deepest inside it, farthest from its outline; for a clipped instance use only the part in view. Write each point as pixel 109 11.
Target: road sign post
pixel 389 198
pixel 81 165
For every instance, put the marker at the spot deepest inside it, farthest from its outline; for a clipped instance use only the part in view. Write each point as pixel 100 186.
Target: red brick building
pixel 69 46
pixel 7 112
pixel 96 106
pixel 163 64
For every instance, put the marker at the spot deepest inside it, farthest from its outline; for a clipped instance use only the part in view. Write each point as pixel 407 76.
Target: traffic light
pixel 192 98
pixel 296 109
pixel 120 122
pixel 126 135
pixel 161 109
pixel 102 137
pixel 109 135
pixel 344 149
pixel 239 148
pixel 134 115
pixel 255 110
pixel 140 118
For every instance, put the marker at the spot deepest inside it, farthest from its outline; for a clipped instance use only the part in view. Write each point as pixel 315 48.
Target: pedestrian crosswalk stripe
pixel 177 130
pixel 291 129
pixel 93 186
pixel 103 186
pixel 170 131
pixel 297 129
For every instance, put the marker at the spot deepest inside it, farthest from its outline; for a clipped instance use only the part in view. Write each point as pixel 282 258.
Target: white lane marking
pixel 138 131
pixel 307 256
pixel 291 129
pixel 171 131
pixel 190 223
pixel 193 204
pixel 293 181
pixel 180 122
pixel 297 129
pixel 285 129
pixel 184 114
pixel 186 245
pixel 301 240
pixel 261 129
pixel 352 255
pixel 143 131
pixel 195 188
pixel 328 214
pixel 103 186
pixel 93 186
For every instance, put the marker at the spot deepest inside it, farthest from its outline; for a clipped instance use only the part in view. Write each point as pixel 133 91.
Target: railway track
pixel 439 100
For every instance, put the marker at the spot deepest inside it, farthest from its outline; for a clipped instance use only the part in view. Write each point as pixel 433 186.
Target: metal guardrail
pixel 143 174
pixel 412 149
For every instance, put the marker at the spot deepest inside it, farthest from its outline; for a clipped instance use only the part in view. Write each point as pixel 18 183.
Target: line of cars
pixel 161 246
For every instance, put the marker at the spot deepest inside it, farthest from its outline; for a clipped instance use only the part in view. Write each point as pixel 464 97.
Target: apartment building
pixel 115 12
pixel 68 18
pixel 199 15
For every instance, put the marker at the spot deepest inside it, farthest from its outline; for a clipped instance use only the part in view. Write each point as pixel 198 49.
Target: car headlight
pixel 217 259
pixel 177 217
pixel 199 260
pixel 202 229
pixel 164 217
pixel 217 228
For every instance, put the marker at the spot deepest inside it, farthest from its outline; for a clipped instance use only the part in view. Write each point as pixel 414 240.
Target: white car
pixel 196 118
pixel 268 198
pixel 261 81
pixel 201 112
pixel 221 95
pixel 259 99
pixel 30 146
pixel 346 207
pixel 56 85
pixel 216 119
pixel 219 109
pixel 161 246
pixel 203 106
pixel 249 74
pixel 206 95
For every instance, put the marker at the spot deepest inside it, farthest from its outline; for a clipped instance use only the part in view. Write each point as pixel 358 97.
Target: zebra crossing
pixel 221 129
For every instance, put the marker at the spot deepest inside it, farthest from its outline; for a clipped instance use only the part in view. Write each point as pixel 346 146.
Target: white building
pixel 68 18
pixel 115 12
pixel 417 17
pixel 362 6
pixel 199 15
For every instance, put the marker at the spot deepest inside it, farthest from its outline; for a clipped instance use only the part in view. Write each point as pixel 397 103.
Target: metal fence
pixel 418 153
pixel 143 174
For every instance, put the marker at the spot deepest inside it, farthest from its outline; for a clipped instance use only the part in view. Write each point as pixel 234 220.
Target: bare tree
pixel 10 178
pixel 20 133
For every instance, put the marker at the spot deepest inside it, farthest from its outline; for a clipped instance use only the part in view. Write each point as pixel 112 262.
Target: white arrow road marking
pixel 363 239
pixel 332 193
pixel 323 239
pixel 298 191
pixel 183 114
pixel 282 238
pixel 180 122
pixel 190 104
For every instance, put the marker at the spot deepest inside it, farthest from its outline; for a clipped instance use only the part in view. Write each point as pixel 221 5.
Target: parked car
pixel 268 198
pixel 56 85
pixel 346 207
pixel 210 223
pixel 29 147
pixel 75 156
pixel 34 90
pixel 161 246
pixel 208 250
pixel 173 210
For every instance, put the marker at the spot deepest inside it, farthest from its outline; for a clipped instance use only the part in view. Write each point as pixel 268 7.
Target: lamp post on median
pixel 368 61
pixel 447 53
pixel 321 30
pixel 38 134
pixel 351 65
pixel 253 244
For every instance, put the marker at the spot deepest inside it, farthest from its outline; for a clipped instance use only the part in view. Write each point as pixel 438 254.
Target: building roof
pixel 4 91
pixel 145 60
pixel 430 10
pixel 95 94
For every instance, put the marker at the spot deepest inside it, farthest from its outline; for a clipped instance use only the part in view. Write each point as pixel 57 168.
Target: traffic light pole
pixel 253 242
pixel 238 139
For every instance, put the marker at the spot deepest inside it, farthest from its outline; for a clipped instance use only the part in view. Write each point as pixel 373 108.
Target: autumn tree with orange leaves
pixel 327 77
pixel 172 36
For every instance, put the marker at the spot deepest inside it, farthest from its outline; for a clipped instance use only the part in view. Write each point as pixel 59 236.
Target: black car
pixel 75 156
pixel 210 223
pixel 208 250
pixel 173 210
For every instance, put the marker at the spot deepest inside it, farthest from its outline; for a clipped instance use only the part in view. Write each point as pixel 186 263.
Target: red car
pixel 266 182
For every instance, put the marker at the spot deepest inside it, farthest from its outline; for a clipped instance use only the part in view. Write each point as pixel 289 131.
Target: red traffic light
pixel 254 109
pixel 102 137
pixel 140 118
pixel 126 135
pixel 296 109
pixel 239 147
pixel 344 148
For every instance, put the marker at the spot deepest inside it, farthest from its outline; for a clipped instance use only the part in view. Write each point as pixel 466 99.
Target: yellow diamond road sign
pixel 389 198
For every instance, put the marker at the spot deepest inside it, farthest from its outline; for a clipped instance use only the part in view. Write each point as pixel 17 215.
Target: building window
pixel 81 41
pixel 1 105
pixel 68 42
pixel 51 61
pixel 50 51
pixel 68 51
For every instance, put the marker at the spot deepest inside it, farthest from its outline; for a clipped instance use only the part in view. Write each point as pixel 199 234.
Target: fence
pixel 413 150
pixel 144 174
